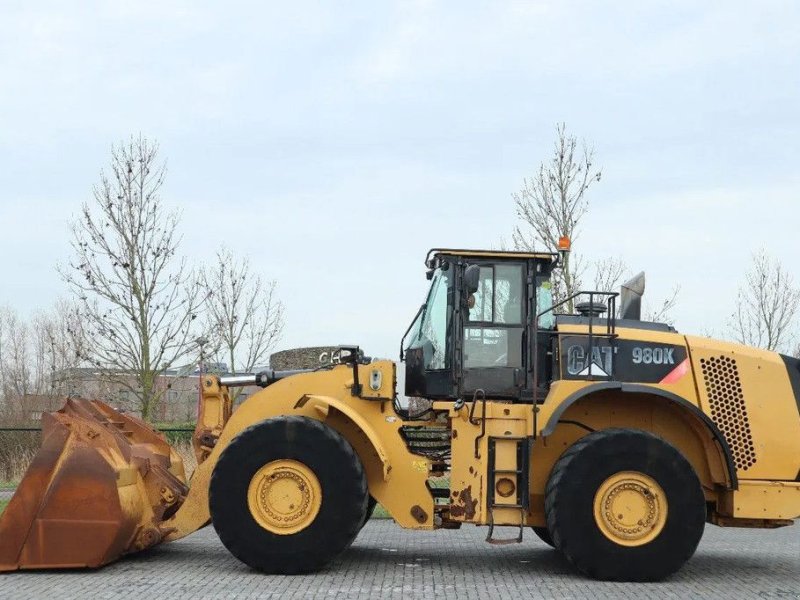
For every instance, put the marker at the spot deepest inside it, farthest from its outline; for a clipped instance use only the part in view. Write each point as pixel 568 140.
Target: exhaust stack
pixel 631 297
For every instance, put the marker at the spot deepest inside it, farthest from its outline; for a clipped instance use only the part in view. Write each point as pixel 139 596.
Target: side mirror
pixel 472 277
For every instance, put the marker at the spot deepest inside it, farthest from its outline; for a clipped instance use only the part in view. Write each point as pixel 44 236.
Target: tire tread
pixel 313 556
pixel 596 446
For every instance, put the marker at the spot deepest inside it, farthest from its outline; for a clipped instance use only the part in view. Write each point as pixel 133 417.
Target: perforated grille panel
pixel 728 409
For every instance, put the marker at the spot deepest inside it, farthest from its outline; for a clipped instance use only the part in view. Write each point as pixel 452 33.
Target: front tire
pixel 371 504
pixel 288 495
pixel 625 505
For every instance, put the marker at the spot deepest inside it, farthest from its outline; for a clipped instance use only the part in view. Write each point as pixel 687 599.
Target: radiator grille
pixel 433 442
pixel 728 410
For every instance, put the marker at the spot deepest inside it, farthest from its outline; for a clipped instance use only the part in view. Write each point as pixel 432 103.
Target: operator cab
pixel 475 330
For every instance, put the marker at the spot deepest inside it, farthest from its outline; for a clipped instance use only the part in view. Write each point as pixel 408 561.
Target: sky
pixel 334 143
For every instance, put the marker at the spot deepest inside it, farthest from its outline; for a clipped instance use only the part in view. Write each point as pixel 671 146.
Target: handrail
pixel 472 420
pixel 611 324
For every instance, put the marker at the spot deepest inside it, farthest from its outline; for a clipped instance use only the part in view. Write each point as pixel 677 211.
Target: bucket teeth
pixel 99 488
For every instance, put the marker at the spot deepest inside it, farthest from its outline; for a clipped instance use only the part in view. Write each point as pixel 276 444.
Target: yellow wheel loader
pixel 613 439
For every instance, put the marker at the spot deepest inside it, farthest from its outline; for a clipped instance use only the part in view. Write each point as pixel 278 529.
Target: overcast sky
pixel 334 143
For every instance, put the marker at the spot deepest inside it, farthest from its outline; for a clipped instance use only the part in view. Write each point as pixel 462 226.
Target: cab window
pixel 493 335
pixel 436 322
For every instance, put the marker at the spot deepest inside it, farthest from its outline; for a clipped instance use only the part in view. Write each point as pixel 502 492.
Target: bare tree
pixel 16 373
pixel 59 343
pixel 39 356
pixel 244 316
pixel 609 273
pixel 551 204
pixel 766 305
pixel 138 300
pixel 661 312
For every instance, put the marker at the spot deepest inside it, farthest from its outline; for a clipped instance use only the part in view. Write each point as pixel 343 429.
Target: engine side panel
pixel 748 393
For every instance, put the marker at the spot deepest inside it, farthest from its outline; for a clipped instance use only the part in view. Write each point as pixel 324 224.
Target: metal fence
pixel 19 444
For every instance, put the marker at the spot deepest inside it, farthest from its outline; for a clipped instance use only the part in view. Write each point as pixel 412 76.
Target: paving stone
pixel 389 562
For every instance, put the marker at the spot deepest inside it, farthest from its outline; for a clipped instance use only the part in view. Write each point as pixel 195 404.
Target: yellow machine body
pixel 733 412
pixel 761 488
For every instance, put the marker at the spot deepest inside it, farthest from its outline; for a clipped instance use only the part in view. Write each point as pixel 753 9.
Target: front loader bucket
pixel 100 487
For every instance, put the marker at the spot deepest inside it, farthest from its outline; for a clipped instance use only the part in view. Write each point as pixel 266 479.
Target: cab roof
pixel 496 254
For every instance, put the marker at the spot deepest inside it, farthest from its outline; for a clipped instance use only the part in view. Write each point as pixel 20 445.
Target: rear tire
pixel 625 505
pixel 543 533
pixel 322 456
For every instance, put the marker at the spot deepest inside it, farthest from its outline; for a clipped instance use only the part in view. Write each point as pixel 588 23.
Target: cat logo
pixel 579 365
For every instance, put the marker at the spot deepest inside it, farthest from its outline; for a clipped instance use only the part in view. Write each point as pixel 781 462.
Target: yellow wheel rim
pixel 630 508
pixel 284 496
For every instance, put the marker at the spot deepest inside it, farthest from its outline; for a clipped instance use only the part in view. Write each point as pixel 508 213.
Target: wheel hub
pixel 630 508
pixel 284 496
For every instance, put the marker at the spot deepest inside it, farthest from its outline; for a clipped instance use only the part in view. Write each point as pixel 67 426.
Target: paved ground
pixel 388 562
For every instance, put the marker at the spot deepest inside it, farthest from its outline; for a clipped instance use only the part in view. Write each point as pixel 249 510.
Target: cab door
pixel 493 353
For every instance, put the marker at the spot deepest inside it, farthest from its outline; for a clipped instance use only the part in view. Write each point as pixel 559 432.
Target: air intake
pixel 728 410
pixel 591 309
